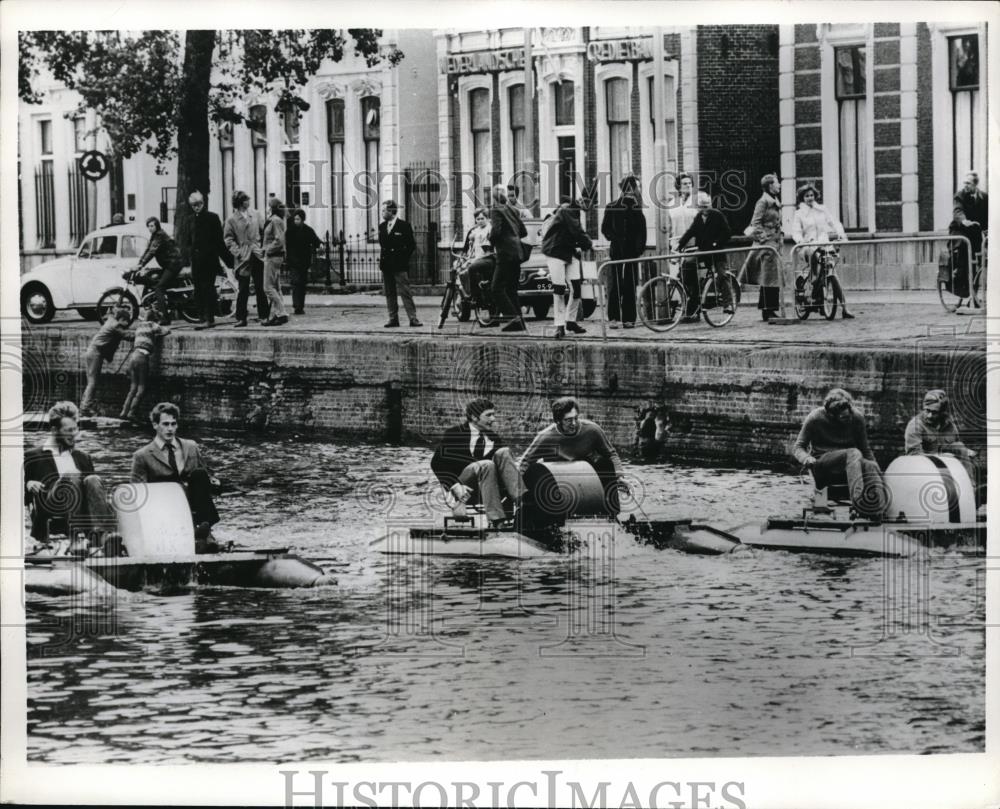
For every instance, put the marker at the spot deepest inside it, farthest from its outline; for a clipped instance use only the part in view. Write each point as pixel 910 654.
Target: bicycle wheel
pixel 831 296
pixel 446 299
pixel 979 287
pixel 117 299
pixel 949 300
pixel 661 303
pixel 711 304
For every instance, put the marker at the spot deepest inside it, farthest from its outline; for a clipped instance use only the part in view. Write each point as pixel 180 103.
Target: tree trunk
pixel 192 129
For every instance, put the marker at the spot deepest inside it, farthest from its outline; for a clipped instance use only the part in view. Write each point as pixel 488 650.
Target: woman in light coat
pixel 814 223
pixel 766 230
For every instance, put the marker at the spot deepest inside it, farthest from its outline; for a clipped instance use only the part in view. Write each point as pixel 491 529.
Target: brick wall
pixel 807 88
pixel 727 403
pixel 885 99
pixel 925 130
pixel 738 106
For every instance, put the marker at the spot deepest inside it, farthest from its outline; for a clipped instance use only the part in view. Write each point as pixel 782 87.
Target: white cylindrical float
pixel 154 519
pixel 565 488
pixel 931 489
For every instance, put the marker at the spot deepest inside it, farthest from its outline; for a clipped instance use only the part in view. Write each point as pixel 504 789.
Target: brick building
pixel 592 114
pixel 885 118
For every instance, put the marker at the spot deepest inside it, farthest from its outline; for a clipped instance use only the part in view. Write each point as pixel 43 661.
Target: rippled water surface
pixel 644 653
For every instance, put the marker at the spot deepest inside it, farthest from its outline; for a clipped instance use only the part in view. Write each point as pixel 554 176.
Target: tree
pixel 155 92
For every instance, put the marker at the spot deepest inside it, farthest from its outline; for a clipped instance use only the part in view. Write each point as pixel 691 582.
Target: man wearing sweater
pixel 833 444
pixel 571 438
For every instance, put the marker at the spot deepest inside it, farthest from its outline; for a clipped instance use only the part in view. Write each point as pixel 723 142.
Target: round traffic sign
pixel 94 165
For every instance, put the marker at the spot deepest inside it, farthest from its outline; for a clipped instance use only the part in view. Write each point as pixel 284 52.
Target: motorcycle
pixel 139 292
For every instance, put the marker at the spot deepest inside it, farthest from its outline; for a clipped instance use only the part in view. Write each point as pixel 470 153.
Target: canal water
pixel 635 652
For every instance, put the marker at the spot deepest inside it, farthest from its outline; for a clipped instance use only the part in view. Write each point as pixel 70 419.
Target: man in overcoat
pixel 206 247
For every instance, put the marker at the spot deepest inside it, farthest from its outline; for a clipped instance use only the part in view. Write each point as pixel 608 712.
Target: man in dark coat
pixel 395 237
pixel 471 459
pixel 624 226
pixel 506 232
pixel 205 247
pixel 710 231
pixel 973 203
pixel 59 481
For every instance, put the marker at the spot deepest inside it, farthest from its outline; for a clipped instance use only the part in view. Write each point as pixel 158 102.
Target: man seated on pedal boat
pixel 472 459
pixel 570 438
pixel 60 483
pixel 833 445
pixel 933 431
pixel 710 231
pixel 170 458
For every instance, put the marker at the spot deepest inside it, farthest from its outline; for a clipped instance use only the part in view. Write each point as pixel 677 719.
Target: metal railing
pixel 850 243
pixel 601 282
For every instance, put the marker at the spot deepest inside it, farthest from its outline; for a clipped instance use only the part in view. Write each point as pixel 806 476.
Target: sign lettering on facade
pixel 620 50
pixel 483 61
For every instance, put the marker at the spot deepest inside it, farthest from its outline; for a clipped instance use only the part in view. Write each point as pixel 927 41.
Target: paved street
pixel 882 319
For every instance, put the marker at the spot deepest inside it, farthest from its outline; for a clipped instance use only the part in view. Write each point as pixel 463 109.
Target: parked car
pixel 78 281
pixel 534 286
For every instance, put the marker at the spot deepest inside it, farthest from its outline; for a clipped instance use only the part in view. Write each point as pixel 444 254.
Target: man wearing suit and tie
pixel 169 458
pixel 395 237
pixel 471 458
pixel 59 480
pixel 206 246
pixel 710 231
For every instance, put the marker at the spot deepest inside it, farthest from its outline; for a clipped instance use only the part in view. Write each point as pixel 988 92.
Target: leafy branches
pixel 133 79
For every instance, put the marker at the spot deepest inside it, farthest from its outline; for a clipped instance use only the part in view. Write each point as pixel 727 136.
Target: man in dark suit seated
pixel 710 231
pixel 169 458
pixel 60 484
pixel 471 458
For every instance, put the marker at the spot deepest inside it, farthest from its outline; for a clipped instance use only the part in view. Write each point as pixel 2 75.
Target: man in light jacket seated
pixel 833 445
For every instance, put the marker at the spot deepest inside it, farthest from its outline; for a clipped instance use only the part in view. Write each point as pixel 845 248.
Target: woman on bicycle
pixel 814 223
pixel 478 251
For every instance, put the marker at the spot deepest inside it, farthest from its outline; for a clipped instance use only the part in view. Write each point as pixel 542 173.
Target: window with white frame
pixel 371 126
pixel 515 97
pixel 258 142
pixel 669 131
pixel 335 137
pixel 479 126
pixel 963 82
pixel 226 150
pixel 45 197
pixel 852 112
pixel 617 116
pixel 79 134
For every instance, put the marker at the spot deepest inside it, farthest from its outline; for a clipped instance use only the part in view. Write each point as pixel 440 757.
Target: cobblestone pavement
pixel 881 319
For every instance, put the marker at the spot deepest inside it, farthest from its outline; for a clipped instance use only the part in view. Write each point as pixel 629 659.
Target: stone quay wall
pixel 734 403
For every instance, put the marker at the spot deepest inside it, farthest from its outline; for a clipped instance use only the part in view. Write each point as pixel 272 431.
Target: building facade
pixel 885 118
pixel 337 159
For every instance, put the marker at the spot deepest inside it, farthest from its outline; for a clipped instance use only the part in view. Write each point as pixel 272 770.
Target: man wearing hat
pixel 933 431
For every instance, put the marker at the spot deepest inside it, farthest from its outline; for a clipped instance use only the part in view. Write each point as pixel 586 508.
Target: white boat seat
pixel 154 519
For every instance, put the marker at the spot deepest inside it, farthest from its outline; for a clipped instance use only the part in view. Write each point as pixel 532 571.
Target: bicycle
pixel 950 300
pixel 462 296
pixel 823 285
pixel 663 299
